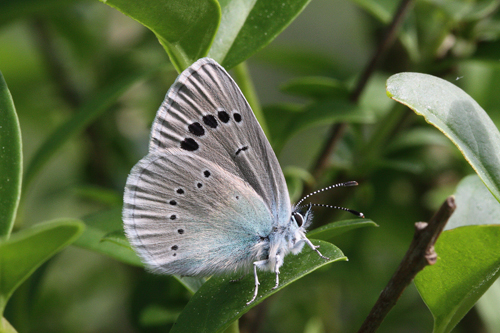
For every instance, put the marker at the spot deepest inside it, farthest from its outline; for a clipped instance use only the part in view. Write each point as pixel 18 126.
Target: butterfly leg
pixel 277 271
pixel 315 248
pixel 257 283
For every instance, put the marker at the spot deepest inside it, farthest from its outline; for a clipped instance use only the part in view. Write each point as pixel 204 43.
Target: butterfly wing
pixel 186 215
pixel 206 115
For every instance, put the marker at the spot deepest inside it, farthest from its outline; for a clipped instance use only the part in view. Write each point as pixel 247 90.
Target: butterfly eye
pixel 298 218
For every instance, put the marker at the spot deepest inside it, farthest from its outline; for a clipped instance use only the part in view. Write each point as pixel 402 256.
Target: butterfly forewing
pixel 186 215
pixel 205 114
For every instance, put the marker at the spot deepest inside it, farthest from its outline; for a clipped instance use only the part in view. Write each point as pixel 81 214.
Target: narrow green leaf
pixel 10 160
pixel 416 137
pixel 102 225
pixel 284 124
pixel 332 230
pixel 468 263
pixel 249 25
pixel 458 116
pixel 316 87
pixel 468 256
pixel 76 124
pixel 185 28
pixel 26 250
pixel 104 234
pixel 219 302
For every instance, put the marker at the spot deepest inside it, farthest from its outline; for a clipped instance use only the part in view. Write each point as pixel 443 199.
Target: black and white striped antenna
pixel 346 184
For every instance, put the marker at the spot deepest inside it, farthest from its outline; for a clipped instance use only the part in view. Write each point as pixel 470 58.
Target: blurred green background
pixel 58 55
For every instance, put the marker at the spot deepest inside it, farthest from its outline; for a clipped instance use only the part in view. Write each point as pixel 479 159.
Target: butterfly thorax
pixel 281 241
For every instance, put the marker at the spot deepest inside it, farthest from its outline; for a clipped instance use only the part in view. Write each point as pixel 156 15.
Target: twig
pixel 420 254
pixel 337 130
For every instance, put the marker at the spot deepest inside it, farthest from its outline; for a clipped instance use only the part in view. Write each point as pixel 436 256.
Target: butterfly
pixel 210 197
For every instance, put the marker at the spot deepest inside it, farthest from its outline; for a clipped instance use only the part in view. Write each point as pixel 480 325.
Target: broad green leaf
pixel 249 25
pixel 468 263
pixel 283 124
pixel 332 230
pixel 468 256
pixel 89 112
pixel 102 225
pixel 219 302
pixel 10 160
pixel 475 205
pixel 316 87
pixel 185 28
pixel 26 250
pixel 458 116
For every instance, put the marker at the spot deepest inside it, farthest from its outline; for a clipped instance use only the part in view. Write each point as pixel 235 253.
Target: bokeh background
pixel 57 55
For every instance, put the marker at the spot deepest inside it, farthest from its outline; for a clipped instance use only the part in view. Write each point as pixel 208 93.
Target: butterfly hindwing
pixel 206 115
pixel 186 215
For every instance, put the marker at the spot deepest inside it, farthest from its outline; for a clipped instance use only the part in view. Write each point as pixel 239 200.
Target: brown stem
pixel 337 130
pixel 420 254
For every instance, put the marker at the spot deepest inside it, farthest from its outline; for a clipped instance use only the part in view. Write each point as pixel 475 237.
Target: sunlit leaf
pixel 458 116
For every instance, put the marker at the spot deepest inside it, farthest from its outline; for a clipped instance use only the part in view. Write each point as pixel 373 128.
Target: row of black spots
pixel 197 129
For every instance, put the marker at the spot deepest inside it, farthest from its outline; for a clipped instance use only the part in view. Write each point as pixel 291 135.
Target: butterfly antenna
pixel 358 214
pixel 350 183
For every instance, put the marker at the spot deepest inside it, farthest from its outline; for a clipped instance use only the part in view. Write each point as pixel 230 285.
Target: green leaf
pixel 487 307
pixel 26 250
pixel 468 263
pixel 331 230
pixel 6 327
pixel 10 160
pixel 468 256
pixel 15 9
pixel 316 87
pixel 219 302
pixel 283 124
pixel 416 137
pixel 458 116
pixel 89 112
pixel 247 26
pixel 100 227
pixel 104 234
pixel 185 28
pixel 475 205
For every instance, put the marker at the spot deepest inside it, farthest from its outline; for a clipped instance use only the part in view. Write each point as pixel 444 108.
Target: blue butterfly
pixel 210 196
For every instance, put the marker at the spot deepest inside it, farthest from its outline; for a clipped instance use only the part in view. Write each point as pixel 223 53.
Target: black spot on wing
pixel 241 149
pixel 189 144
pixel 196 129
pixel 210 121
pixel 223 116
